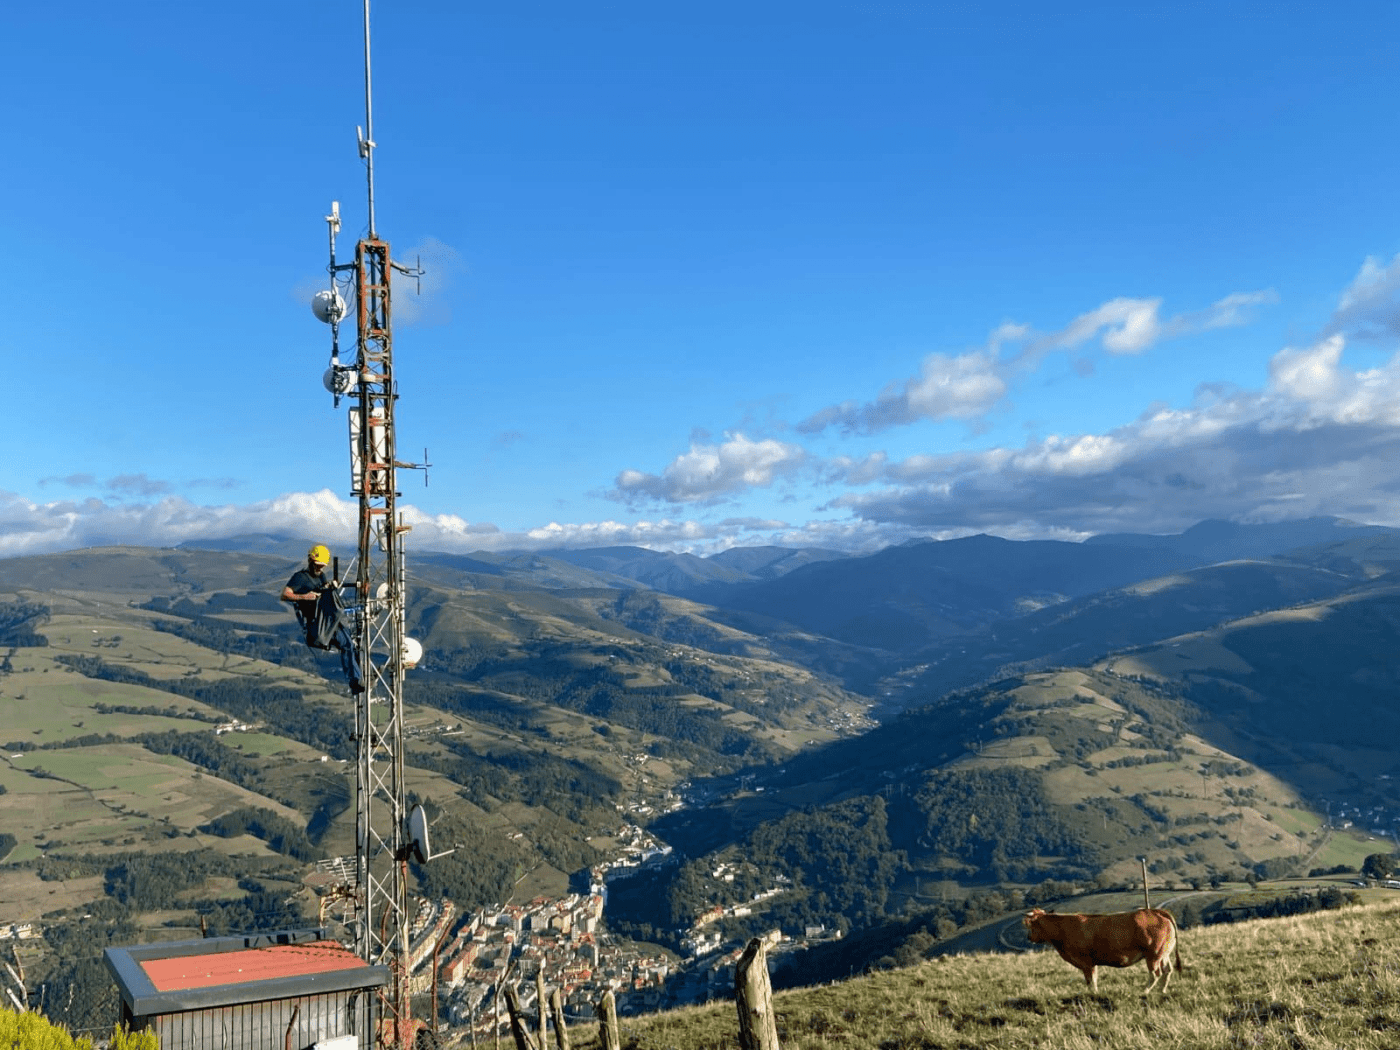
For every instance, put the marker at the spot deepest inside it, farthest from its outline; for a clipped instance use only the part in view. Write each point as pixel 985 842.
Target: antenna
pixel 367 139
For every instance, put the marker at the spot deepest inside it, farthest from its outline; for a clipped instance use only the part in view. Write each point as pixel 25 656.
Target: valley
pixel 1006 717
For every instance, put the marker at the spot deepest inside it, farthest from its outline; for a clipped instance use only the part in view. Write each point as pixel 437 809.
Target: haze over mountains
pixel 973 711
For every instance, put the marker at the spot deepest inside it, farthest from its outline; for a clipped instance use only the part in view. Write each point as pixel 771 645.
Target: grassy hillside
pixel 1314 982
pixel 537 716
pixel 1307 691
pixel 1082 630
pixel 1070 775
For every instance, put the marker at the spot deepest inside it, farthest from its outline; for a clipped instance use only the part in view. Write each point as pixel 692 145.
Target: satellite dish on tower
pixel 328 306
pixel 340 381
pixel 419 849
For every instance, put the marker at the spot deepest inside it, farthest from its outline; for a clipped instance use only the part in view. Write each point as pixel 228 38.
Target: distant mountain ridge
pixel 1214 540
pixel 1191 696
pixel 983 600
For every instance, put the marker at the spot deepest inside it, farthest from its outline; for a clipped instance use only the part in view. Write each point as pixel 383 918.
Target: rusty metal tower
pixel 386 833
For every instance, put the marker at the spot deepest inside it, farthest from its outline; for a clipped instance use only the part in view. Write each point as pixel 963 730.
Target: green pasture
pixel 24 897
pixel 1349 847
pixel 61 708
pixel 1194 652
pixel 1157 777
pixel 112 796
pixel 1294 821
pixel 156 653
pixel 262 745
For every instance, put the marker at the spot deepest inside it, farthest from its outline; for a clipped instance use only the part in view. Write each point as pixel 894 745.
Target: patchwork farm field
pixel 110 798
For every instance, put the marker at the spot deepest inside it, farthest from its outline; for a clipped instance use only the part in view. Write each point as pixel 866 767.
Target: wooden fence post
pixel 609 1038
pixel 541 1002
pixel 519 1027
pixel 753 995
pixel 561 1030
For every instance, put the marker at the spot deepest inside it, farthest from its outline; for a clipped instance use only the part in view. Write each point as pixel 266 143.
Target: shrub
pixel 123 1039
pixel 30 1031
pixel 34 1031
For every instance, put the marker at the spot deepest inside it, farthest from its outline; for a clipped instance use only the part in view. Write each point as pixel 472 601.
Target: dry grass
pixel 1319 982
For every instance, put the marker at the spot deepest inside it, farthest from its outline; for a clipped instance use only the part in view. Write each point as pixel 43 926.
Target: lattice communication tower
pixel 387 835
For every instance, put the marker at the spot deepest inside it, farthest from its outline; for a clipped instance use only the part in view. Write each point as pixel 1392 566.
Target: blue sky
pixel 819 273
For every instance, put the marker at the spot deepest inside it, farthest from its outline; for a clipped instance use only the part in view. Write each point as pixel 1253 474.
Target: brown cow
pixel 1121 939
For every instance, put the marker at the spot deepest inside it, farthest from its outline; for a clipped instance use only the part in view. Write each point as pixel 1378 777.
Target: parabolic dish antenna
pixel 418 847
pixel 418 834
pixel 328 306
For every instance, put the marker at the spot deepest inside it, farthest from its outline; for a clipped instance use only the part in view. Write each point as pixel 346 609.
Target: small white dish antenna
pixel 418 837
pixel 328 306
pixel 340 381
pixel 412 652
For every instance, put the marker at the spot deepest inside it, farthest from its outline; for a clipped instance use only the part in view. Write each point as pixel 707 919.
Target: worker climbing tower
pixel 387 834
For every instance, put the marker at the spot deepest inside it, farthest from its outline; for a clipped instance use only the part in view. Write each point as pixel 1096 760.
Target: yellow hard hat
pixel 320 553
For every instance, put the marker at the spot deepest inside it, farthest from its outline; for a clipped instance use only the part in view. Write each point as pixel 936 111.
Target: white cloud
pixel 1322 391
pixel 1229 312
pixel 27 527
pixel 1128 326
pixel 1319 439
pixel 850 471
pixel 1308 375
pixel 1372 301
pixel 968 385
pixel 709 472
pixel 959 387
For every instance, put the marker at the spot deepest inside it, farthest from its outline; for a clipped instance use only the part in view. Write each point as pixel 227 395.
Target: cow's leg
pixel 1091 978
pixel 1161 970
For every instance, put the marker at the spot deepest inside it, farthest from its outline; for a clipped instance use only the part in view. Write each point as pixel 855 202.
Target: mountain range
pixel 972 711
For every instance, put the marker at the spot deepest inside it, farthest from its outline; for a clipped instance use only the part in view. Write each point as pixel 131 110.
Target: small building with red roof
pixel 293 989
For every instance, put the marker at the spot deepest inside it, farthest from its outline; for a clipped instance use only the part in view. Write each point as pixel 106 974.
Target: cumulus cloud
pixel 28 527
pixel 1370 305
pixel 1131 326
pixel 1318 439
pixel 1323 391
pixel 958 387
pixel 709 472
pixel 968 385
pixel 848 470
pixel 1128 326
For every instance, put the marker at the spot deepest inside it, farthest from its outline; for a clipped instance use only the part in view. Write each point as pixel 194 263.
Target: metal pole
pixel 369 130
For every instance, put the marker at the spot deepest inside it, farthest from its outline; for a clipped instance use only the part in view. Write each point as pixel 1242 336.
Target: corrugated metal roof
pixel 222 971
pixel 272 962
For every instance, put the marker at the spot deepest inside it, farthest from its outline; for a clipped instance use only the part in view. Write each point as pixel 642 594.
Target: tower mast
pixel 384 841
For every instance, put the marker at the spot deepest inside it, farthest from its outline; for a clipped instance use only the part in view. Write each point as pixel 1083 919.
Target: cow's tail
pixel 1176 945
